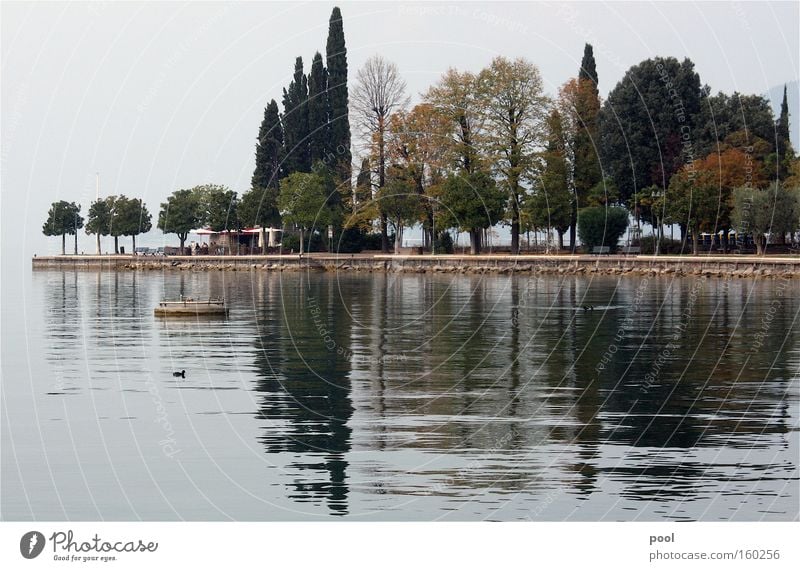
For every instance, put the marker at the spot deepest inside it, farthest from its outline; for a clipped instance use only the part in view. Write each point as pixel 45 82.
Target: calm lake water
pixel 400 397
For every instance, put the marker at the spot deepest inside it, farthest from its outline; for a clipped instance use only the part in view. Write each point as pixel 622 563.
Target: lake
pixel 400 397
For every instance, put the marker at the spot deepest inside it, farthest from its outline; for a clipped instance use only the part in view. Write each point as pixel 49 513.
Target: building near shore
pixel 228 241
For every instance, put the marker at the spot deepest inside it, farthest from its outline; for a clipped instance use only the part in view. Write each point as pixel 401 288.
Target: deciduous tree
pixel 471 203
pixel 303 202
pixel 63 218
pixel 515 108
pixel 550 205
pixel 180 214
pixel 99 220
pixel 379 92
pixel 774 210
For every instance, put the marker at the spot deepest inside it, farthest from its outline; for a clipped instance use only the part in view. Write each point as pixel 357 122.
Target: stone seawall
pixel 721 266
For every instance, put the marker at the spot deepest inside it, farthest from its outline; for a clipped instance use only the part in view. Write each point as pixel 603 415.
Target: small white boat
pixel 189 306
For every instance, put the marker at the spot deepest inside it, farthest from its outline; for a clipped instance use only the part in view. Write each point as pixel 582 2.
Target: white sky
pixel 160 96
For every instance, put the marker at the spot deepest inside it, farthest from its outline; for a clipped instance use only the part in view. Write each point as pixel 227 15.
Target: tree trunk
pixel 398 237
pixel 76 242
pixel 573 228
pixel 97 241
pixel 695 242
pixel 181 237
pixel 133 245
pixel 761 245
pixel 262 237
pixel 515 233
pixel 63 244
pixel 560 240
pixel 475 241
pixel 301 241
pixel 116 245
pixel 384 235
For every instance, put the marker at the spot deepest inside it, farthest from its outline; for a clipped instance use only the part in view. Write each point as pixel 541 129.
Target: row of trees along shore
pixel 490 147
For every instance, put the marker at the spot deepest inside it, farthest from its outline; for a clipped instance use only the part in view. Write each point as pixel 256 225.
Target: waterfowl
pixel 588 307
pixel 182 374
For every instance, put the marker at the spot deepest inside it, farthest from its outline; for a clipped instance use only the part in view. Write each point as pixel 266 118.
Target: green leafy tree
pixel 604 192
pixel 259 207
pixel 470 202
pixel 319 138
pixel 269 150
pixel 130 217
pixel 295 122
pixel 550 205
pixel 773 211
pixel 338 102
pixel 743 121
pixel 650 124
pixel 303 202
pixel 400 202
pixel 515 108
pixel 218 207
pixel 693 200
pixel 180 214
pixel 602 226
pixel 99 220
pixel 63 218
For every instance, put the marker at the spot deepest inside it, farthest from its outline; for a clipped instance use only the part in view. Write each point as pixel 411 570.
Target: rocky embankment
pixel 710 266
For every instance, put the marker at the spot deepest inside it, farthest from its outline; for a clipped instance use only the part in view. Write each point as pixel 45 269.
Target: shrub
pixel 349 241
pixel 373 241
pixel 444 243
pixel 292 242
pixel 601 226
pixel 667 246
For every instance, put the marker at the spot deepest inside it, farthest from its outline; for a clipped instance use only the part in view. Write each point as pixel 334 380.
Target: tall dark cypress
pixel 587 172
pixel 318 110
pixel 363 195
pixel 782 135
pixel 588 67
pixel 339 121
pixel 269 149
pixel 295 122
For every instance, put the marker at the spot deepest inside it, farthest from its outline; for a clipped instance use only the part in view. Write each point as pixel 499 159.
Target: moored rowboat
pixel 191 306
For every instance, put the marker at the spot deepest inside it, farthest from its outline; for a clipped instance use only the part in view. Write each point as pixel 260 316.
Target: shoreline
pixel 579 264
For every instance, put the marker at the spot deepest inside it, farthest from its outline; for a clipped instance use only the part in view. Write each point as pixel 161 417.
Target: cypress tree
pixel 783 142
pixel 587 172
pixel 339 121
pixel 588 66
pixel 295 122
pixel 318 111
pixel 269 149
pixel 363 194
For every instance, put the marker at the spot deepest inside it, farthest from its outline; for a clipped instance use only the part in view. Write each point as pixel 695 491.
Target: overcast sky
pixel 158 97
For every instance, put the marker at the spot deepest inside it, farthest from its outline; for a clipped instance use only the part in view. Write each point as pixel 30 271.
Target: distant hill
pixel 775 95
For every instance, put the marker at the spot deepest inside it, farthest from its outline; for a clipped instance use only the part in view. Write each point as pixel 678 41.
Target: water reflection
pixel 425 397
pixel 303 363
